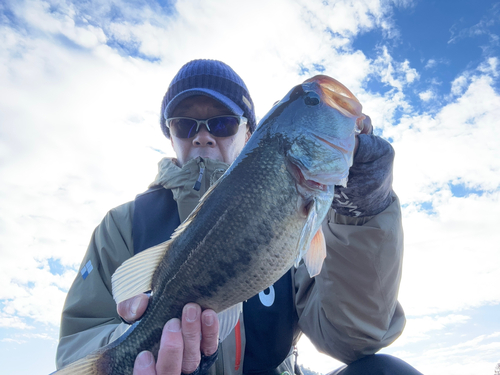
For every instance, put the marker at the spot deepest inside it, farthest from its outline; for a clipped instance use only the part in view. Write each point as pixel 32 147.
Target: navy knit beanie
pixel 211 78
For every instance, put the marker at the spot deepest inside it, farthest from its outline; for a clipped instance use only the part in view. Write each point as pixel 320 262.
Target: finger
pixel 144 364
pixel 133 308
pixel 191 333
pixel 365 128
pixel 367 125
pixel 209 332
pixel 171 349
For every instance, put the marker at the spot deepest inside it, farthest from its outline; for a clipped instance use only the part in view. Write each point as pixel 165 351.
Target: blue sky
pixel 80 90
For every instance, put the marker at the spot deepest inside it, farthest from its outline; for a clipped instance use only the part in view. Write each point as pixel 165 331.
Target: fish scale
pixel 248 229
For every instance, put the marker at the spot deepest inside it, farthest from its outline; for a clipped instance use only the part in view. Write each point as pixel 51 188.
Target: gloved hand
pixel 369 186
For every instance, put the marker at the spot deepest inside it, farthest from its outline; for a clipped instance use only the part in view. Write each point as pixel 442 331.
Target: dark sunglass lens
pixel 223 126
pixel 183 127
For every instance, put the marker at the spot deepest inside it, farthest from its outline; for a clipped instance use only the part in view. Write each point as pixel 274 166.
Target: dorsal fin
pixel 134 276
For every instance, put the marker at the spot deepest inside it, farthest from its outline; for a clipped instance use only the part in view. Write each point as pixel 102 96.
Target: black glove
pixel 369 186
pixel 205 364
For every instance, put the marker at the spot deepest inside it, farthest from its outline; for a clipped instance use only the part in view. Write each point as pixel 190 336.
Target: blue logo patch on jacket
pixel 87 268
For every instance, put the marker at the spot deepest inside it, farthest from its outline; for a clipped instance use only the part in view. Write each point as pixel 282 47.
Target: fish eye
pixel 311 101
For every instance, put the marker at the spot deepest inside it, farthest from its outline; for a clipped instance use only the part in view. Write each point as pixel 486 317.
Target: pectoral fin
pixel 316 255
pixel 306 234
pixel 312 245
pixel 134 276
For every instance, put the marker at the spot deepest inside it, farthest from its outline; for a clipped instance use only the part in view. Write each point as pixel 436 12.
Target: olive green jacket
pixel 348 311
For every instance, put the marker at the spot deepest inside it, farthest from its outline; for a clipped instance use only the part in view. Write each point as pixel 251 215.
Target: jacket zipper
pixel 197 184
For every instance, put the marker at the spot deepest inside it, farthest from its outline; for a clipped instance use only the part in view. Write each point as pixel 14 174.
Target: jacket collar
pixel 181 180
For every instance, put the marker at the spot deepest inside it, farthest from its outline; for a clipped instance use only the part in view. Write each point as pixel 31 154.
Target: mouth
pixel 303 182
pixel 309 190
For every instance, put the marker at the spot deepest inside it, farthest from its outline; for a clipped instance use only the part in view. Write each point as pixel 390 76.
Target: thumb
pixel 366 125
pixel 133 308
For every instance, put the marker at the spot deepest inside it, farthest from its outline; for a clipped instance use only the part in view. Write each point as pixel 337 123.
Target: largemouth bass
pixel 260 219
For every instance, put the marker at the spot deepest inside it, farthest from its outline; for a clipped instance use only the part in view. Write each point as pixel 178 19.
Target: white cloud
pixel 427 95
pixel 41 336
pixel 452 146
pixel 10 340
pixel 394 73
pixel 42 294
pixel 58 20
pixel 486 26
pixel 478 355
pixel 10 321
pixel 350 18
pixel 457 237
pixel 382 108
pixel 443 249
pixel 436 63
pixel 482 346
pixel 431 63
pixel 459 84
pixel 423 328
pixel 490 67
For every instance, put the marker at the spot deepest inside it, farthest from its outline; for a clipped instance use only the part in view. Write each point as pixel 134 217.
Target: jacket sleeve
pixel 350 309
pixel 89 318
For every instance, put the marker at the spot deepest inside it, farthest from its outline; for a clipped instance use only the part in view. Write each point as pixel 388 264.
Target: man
pixel 349 310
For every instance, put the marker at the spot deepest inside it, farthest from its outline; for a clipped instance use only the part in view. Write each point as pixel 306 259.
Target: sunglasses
pixel 219 126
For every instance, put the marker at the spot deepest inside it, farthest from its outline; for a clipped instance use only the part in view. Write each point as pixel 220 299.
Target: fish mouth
pixel 309 191
pixel 337 96
pixel 308 184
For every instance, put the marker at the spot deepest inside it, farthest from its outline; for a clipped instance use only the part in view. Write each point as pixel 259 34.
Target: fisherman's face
pixel 204 144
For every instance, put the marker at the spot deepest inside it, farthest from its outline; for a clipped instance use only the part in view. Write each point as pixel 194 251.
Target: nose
pixel 203 138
